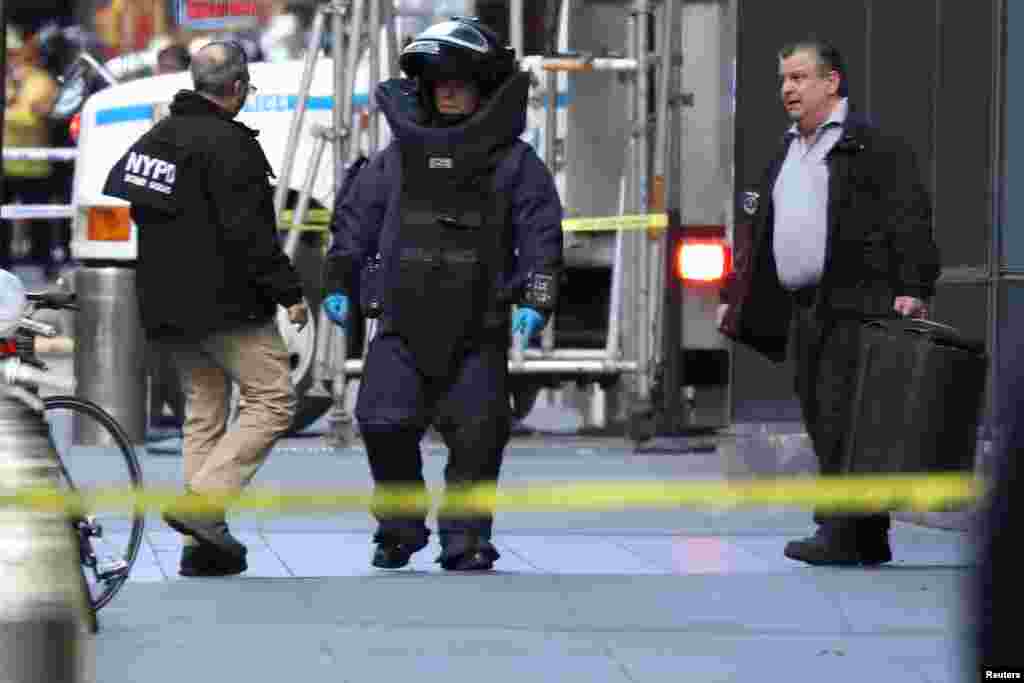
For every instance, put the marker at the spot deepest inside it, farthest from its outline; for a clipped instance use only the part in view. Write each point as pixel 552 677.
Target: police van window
pixel 460 34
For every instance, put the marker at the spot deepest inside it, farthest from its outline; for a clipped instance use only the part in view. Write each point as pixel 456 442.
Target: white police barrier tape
pixel 14 212
pixel 17 212
pixel 41 154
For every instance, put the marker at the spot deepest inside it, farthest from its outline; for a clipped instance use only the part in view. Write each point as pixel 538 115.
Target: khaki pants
pixel 218 459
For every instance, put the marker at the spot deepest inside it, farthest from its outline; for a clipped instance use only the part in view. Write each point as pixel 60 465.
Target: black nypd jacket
pixel 209 258
pixel 879 244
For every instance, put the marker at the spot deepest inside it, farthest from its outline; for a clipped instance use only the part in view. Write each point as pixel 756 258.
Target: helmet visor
pixel 456 33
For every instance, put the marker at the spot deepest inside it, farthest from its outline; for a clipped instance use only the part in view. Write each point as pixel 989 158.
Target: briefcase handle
pixel 919 325
pixel 940 332
pixel 930 327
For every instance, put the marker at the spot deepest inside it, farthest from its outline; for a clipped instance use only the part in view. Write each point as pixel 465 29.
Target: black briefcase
pixel 917 401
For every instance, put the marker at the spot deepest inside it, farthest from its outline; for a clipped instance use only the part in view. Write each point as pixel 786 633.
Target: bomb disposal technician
pixel 466 220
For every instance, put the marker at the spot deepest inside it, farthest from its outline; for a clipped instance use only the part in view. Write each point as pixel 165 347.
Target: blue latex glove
pixel 336 308
pixel 526 324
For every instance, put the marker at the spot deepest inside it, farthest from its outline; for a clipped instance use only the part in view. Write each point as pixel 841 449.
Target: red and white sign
pixel 216 13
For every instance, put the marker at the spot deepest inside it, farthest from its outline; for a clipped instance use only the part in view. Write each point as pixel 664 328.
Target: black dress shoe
pixel 205 560
pixel 211 531
pixel 477 558
pixel 824 549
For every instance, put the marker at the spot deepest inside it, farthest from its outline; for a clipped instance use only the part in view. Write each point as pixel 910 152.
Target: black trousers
pixel 824 354
pixel 471 411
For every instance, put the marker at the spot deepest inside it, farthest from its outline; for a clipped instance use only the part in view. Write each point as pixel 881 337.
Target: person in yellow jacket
pixel 31 93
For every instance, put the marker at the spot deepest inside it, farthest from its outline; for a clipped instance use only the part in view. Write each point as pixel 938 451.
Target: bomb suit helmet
pixel 461 48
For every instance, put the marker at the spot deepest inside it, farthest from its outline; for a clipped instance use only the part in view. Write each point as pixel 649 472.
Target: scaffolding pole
pixel 639 168
pixel 543 367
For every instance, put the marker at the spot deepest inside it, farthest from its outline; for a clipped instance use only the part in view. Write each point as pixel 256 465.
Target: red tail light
pixel 702 260
pixel 75 127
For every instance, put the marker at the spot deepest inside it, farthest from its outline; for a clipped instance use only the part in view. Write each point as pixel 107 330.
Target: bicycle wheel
pixel 108 546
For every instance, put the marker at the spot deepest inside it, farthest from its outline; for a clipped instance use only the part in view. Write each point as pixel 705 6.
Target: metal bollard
pixel 42 596
pixel 110 352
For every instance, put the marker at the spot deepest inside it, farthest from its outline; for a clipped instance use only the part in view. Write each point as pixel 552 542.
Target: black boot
pixel 467 553
pixel 395 550
pixel 828 546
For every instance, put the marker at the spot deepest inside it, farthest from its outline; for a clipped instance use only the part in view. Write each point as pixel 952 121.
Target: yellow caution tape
pixel 313 216
pixel 608 223
pixel 319 220
pixel 853 494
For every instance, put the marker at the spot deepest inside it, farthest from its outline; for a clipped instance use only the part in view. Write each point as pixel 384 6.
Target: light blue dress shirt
pixel 800 198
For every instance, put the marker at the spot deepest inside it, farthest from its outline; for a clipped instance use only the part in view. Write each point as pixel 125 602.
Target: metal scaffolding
pixel 648 187
pixel 639 255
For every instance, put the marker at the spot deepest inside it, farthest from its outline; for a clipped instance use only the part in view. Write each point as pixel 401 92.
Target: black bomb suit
pixel 467 222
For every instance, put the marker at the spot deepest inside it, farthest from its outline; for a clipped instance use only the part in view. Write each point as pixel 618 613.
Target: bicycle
pixel 103 575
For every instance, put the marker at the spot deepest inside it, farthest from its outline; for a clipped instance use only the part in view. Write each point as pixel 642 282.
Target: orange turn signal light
pixel 109 224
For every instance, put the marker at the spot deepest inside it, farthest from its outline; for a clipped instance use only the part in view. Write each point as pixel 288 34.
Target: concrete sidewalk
pixel 632 596
pixel 888 625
